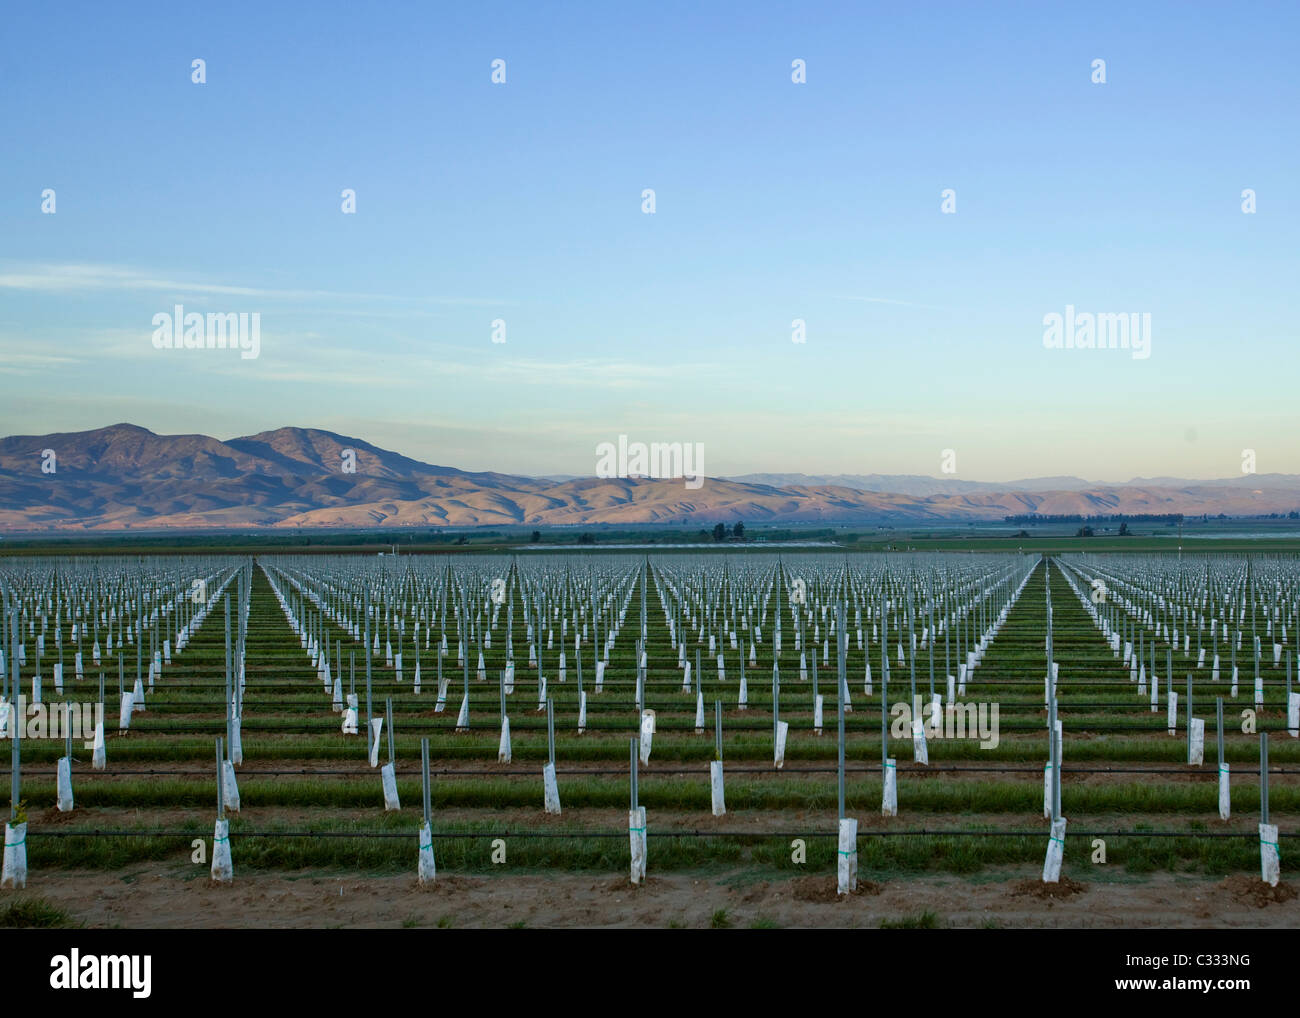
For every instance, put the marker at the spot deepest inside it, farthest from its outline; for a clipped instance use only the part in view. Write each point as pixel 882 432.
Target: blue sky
pixel 774 201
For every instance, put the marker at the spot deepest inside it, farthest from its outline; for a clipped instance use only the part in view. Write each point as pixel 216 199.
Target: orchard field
pixel 605 663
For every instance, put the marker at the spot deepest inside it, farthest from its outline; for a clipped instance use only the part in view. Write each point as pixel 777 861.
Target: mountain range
pixel 125 477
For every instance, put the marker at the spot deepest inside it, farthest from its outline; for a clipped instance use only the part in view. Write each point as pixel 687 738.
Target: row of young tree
pixel 720 532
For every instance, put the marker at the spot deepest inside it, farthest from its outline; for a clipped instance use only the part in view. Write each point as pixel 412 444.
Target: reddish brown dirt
pixel 1065 888
pixel 164 896
pixel 1253 891
pixel 825 889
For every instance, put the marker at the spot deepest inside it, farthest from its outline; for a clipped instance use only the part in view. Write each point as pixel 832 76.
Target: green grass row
pixel 916 795
pixel 883 856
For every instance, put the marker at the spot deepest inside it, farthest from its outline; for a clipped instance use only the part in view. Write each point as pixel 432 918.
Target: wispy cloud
pixel 307 357
pixel 100 278
pixel 325 365
pixel 16 362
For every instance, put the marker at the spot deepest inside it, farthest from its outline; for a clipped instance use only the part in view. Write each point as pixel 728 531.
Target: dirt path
pixel 158 897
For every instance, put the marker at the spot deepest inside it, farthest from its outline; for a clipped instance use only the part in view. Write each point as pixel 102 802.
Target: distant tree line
pixel 1100 518
pixel 720 532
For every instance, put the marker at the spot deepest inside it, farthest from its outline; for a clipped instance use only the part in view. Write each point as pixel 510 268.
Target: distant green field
pixel 1198 537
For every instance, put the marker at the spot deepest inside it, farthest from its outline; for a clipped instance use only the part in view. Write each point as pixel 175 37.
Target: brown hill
pixel 126 477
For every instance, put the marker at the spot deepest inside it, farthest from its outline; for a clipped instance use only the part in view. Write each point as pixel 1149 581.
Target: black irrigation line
pixel 409 727
pixel 163 705
pixel 672 772
pixel 580 835
pixel 159 696
pixel 757 674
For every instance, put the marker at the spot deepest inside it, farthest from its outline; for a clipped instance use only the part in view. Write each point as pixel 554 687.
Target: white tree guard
pixel 388 778
pixel 699 713
pixel 1225 796
pixel 236 741
pixel 1172 720
pixel 600 675
pixel 14 873
pixel 1196 754
pixel 64 784
pixel 1047 790
pixel 138 696
pixel 426 870
pixel 376 730
pixel 336 701
pixel 847 871
pixel 582 712
pixel 636 835
pixel 889 796
pixel 5 712
pixel 550 790
pixel 647 734
pixel 350 716
pixel 742 699
pixel 231 791
pixel 223 871
pixel 462 716
pixel 1270 863
pixel 1293 715
pixel 97 759
pixel 782 731
pixel 1055 852
pixel 818 705
pixel 716 788
pixel 503 748
pixel 440 704
pixel 124 715
pixel 920 752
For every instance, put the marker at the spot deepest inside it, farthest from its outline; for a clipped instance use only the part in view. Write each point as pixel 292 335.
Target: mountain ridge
pixel 125 477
